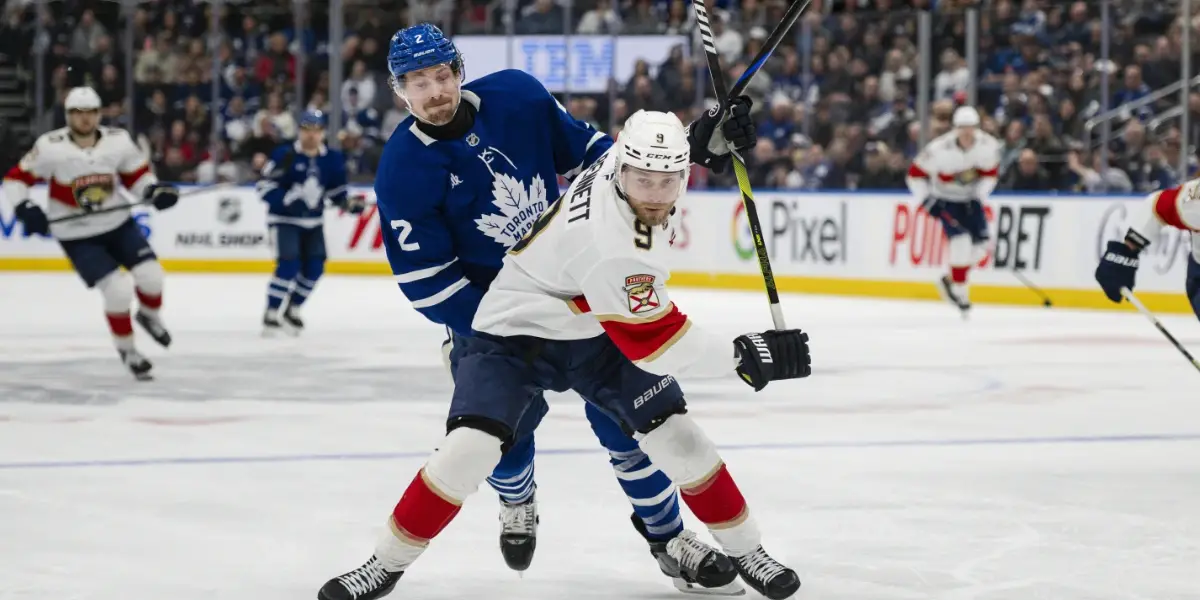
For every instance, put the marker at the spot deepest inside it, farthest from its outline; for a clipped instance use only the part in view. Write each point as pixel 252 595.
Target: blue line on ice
pixel 914 443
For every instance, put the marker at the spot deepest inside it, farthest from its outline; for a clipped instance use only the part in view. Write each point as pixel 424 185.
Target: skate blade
pixel 732 588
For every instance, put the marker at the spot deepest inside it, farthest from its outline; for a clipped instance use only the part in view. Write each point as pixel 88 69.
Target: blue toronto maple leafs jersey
pixel 295 186
pixel 451 209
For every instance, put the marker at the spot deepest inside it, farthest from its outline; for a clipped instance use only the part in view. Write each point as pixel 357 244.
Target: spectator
pixel 1097 179
pixel 86 35
pixel 392 118
pixel 360 82
pixel 541 17
pixel 276 63
pixel 954 77
pixel 1028 176
pixel 602 19
pixel 879 169
pixel 275 121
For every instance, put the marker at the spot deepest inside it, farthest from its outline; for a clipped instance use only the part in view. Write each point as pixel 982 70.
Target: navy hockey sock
pixel 313 269
pixel 1193 292
pixel 513 476
pixel 281 283
pixel 649 490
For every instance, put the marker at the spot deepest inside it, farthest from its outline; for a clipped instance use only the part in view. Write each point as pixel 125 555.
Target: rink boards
pixel 861 244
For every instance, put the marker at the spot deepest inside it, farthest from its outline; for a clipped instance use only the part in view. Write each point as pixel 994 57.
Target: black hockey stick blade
pixel 1128 294
pixel 1033 288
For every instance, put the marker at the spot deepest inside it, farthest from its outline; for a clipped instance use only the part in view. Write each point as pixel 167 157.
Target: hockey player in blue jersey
pixel 460 182
pixel 297 181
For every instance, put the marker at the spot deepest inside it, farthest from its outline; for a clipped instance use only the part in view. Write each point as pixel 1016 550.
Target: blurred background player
pixel 461 181
pixel 952 178
pixel 581 303
pixel 297 181
pixel 85 165
pixel 1178 207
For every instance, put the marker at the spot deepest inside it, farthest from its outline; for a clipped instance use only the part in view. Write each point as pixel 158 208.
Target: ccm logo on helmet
pixel 662 156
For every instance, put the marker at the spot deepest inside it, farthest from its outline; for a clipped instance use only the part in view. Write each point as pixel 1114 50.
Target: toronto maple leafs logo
pixel 519 205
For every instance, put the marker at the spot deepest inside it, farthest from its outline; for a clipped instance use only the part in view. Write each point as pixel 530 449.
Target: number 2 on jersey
pixel 405 229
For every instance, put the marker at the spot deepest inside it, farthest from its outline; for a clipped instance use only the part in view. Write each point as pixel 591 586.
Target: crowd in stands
pixel 839 114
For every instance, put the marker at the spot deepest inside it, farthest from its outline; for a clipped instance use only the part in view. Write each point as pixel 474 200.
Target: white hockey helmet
pixel 654 141
pixel 82 98
pixel 965 116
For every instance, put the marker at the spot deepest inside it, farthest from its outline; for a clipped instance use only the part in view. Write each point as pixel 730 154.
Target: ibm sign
pixel 582 63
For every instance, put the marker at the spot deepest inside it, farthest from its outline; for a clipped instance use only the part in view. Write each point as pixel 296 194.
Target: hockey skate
pixel 946 290
pixel 273 327
pixel 154 327
pixel 367 582
pixel 693 566
pixel 518 533
pixel 137 364
pixel 291 319
pixel 766 575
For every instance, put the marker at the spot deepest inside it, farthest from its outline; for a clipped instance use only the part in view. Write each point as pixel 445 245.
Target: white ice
pixel 1024 454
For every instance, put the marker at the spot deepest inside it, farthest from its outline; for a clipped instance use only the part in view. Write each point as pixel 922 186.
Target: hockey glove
pixel 355 204
pixel 1118 267
pixel 933 207
pixel 771 356
pixel 163 195
pixel 33 218
pixel 713 134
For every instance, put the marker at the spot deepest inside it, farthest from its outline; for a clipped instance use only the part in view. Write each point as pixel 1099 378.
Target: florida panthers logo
pixel 519 205
pixel 642 296
pixel 91 191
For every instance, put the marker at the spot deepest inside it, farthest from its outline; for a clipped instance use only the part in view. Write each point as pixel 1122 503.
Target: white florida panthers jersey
pixel 945 171
pixel 588 267
pixel 1177 207
pixel 81 179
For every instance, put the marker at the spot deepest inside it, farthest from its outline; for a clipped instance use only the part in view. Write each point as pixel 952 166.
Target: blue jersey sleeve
pixel 274 183
pixel 576 144
pixel 420 248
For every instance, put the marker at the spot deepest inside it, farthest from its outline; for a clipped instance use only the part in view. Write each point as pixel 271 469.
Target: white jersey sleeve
pixel 1177 207
pixel 33 168
pixel 629 298
pixel 133 167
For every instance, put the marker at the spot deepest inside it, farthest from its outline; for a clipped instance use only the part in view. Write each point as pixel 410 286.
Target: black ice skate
pixel 766 575
pixel 272 327
pixel 154 327
pixel 518 533
pixel 291 319
pixel 367 582
pixel 946 289
pixel 693 566
pixel 137 364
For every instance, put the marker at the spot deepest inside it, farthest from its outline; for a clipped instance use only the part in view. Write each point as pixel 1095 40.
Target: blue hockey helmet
pixel 420 47
pixel 313 118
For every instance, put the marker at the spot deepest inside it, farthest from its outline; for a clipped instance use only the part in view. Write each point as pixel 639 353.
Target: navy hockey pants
pixel 1193 283
pixel 964 217
pixel 502 379
pixel 95 257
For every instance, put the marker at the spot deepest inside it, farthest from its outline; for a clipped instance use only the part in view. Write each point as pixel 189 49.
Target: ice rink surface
pixel 1025 454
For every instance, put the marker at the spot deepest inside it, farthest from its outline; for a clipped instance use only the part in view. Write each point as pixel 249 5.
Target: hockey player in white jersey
pixel 951 179
pixel 1177 207
pixel 581 303
pixel 84 166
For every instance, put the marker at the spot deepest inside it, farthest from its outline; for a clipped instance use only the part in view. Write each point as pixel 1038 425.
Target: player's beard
pixel 441 114
pixel 79 133
pixel 654 216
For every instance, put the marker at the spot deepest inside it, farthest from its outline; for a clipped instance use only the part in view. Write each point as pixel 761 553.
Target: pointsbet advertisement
pixel 828 243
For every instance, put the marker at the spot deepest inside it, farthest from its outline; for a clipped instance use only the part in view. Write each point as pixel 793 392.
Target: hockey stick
pixel 130 205
pixel 721 89
pixel 1128 294
pixel 769 46
pixel 1033 288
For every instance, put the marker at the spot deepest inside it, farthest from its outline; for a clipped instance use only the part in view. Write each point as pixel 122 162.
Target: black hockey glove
pixel 933 207
pixel 713 134
pixel 33 218
pixel 1118 267
pixel 163 195
pixel 354 204
pixel 771 356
